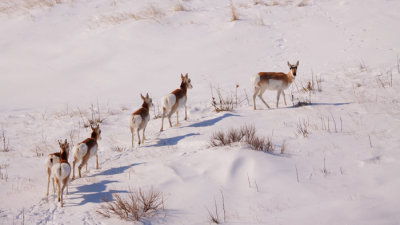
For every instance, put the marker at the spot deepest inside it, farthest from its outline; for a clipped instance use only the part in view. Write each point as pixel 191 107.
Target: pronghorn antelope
pixel 175 100
pixel 86 149
pixel 61 170
pixel 52 159
pixel 140 118
pixel 273 81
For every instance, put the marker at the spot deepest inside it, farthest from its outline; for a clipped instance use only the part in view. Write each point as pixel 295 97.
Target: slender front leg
pixel 97 162
pixel 177 118
pixel 143 136
pixel 277 98
pixel 162 119
pixel 137 131
pixel 132 135
pixel 48 181
pixel 256 89
pixel 185 112
pixel 260 96
pixel 284 97
pixel 73 168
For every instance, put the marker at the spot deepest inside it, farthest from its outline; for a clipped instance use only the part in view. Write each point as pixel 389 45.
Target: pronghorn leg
pixel 185 112
pixel 256 90
pixel 143 136
pixel 260 92
pixel 138 135
pixel 86 167
pixel 73 168
pixel 132 135
pixel 169 120
pixel 54 186
pixel 277 98
pixel 162 118
pixel 62 192
pixel 59 189
pixel 97 162
pixel 284 97
pixel 48 181
pixel 177 118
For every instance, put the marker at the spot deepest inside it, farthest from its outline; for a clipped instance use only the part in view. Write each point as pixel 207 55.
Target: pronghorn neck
pixel 64 155
pixel 145 105
pixel 184 87
pixel 94 135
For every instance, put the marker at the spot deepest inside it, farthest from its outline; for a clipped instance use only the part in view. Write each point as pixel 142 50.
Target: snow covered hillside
pixel 336 160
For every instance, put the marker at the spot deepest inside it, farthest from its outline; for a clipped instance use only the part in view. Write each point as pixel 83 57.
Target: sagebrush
pixel 245 134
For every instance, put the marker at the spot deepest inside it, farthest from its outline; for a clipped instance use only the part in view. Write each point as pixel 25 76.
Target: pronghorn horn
pixel 147 95
pixel 142 97
pixel 65 142
pixel 182 76
pixel 187 75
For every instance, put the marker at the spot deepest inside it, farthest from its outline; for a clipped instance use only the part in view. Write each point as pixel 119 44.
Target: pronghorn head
pixel 96 132
pixel 293 68
pixel 186 81
pixel 64 147
pixel 147 101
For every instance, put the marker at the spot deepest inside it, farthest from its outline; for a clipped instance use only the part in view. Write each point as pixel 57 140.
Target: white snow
pixel 58 59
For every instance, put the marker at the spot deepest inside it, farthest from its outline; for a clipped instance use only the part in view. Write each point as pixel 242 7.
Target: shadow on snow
pixel 171 140
pixel 211 122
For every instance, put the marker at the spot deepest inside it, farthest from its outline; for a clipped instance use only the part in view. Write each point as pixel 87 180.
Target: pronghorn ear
pixel 187 75
pixel 147 95
pixel 297 64
pixel 143 98
pixel 60 142
pixel 182 76
pixel 288 64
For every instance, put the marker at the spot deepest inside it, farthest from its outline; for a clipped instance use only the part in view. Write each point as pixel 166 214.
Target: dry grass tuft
pixel 223 103
pixel 179 7
pixel 303 3
pixel 137 206
pixel 303 128
pixel 5 142
pixel 245 134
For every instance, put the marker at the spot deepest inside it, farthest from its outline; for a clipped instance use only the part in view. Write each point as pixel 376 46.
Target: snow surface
pixel 57 59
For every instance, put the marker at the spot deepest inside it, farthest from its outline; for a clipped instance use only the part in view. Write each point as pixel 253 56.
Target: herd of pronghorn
pixel 59 169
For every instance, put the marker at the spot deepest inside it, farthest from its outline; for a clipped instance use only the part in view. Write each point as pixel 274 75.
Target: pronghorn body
pixel 273 81
pixel 51 159
pixel 85 150
pixel 175 100
pixel 61 171
pixel 139 119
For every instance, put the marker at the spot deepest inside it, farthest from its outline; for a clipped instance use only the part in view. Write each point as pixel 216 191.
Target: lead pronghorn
pixel 52 159
pixel 140 118
pixel 273 81
pixel 86 149
pixel 175 100
pixel 62 170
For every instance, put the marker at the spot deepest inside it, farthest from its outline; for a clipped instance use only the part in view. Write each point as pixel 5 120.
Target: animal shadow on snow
pixel 95 192
pixel 211 122
pixel 321 104
pixel 171 140
pixel 116 170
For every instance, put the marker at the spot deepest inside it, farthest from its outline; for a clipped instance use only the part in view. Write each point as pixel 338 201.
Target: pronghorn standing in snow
pixel 140 118
pixel 52 159
pixel 175 100
pixel 61 170
pixel 86 149
pixel 273 81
